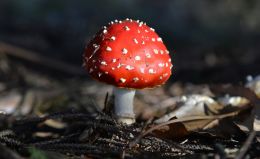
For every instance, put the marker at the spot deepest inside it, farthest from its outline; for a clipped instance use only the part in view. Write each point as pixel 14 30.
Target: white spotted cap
pixel 128 54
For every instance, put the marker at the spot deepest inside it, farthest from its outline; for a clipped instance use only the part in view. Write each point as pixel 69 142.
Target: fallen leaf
pixel 177 128
pixel 254 84
pixel 192 105
pixel 235 101
pixel 251 121
pixel 55 124
pixel 9 102
pixel 241 91
pixel 171 131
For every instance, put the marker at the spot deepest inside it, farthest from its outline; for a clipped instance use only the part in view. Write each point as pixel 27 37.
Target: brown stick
pixel 36 58
pixel 246 145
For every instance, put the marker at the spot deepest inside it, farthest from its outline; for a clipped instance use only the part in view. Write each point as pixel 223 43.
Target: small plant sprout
pixel 128 55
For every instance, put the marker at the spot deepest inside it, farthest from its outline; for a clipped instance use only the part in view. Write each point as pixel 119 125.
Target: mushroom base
pixel 123 106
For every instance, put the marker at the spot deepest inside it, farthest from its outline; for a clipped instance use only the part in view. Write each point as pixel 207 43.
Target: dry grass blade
pixel 183 120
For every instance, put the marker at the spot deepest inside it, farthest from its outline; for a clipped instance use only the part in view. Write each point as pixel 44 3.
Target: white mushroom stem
pixel 123 106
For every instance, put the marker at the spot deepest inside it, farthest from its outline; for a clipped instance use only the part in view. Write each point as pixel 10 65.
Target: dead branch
pixel 37 58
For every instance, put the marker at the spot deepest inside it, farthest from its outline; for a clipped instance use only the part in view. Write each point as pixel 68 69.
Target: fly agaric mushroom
pixel 128 55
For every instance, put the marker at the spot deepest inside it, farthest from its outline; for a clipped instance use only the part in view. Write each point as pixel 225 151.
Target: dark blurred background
pixel 209 40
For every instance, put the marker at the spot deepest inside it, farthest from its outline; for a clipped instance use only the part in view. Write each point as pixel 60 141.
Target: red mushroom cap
pixel 128 54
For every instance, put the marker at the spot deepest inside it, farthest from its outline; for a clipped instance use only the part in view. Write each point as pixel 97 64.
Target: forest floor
pixel 50 109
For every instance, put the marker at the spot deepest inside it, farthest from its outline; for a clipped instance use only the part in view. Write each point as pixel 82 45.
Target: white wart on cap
pixel 128 54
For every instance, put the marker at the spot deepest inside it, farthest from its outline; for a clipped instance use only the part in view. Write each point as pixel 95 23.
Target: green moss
pixel 37 154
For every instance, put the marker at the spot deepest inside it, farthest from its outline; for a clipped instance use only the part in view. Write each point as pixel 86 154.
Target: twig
pixel 36 58
pixel 184 119
pixel 246 145
pixel 106 109
pixel 138 138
